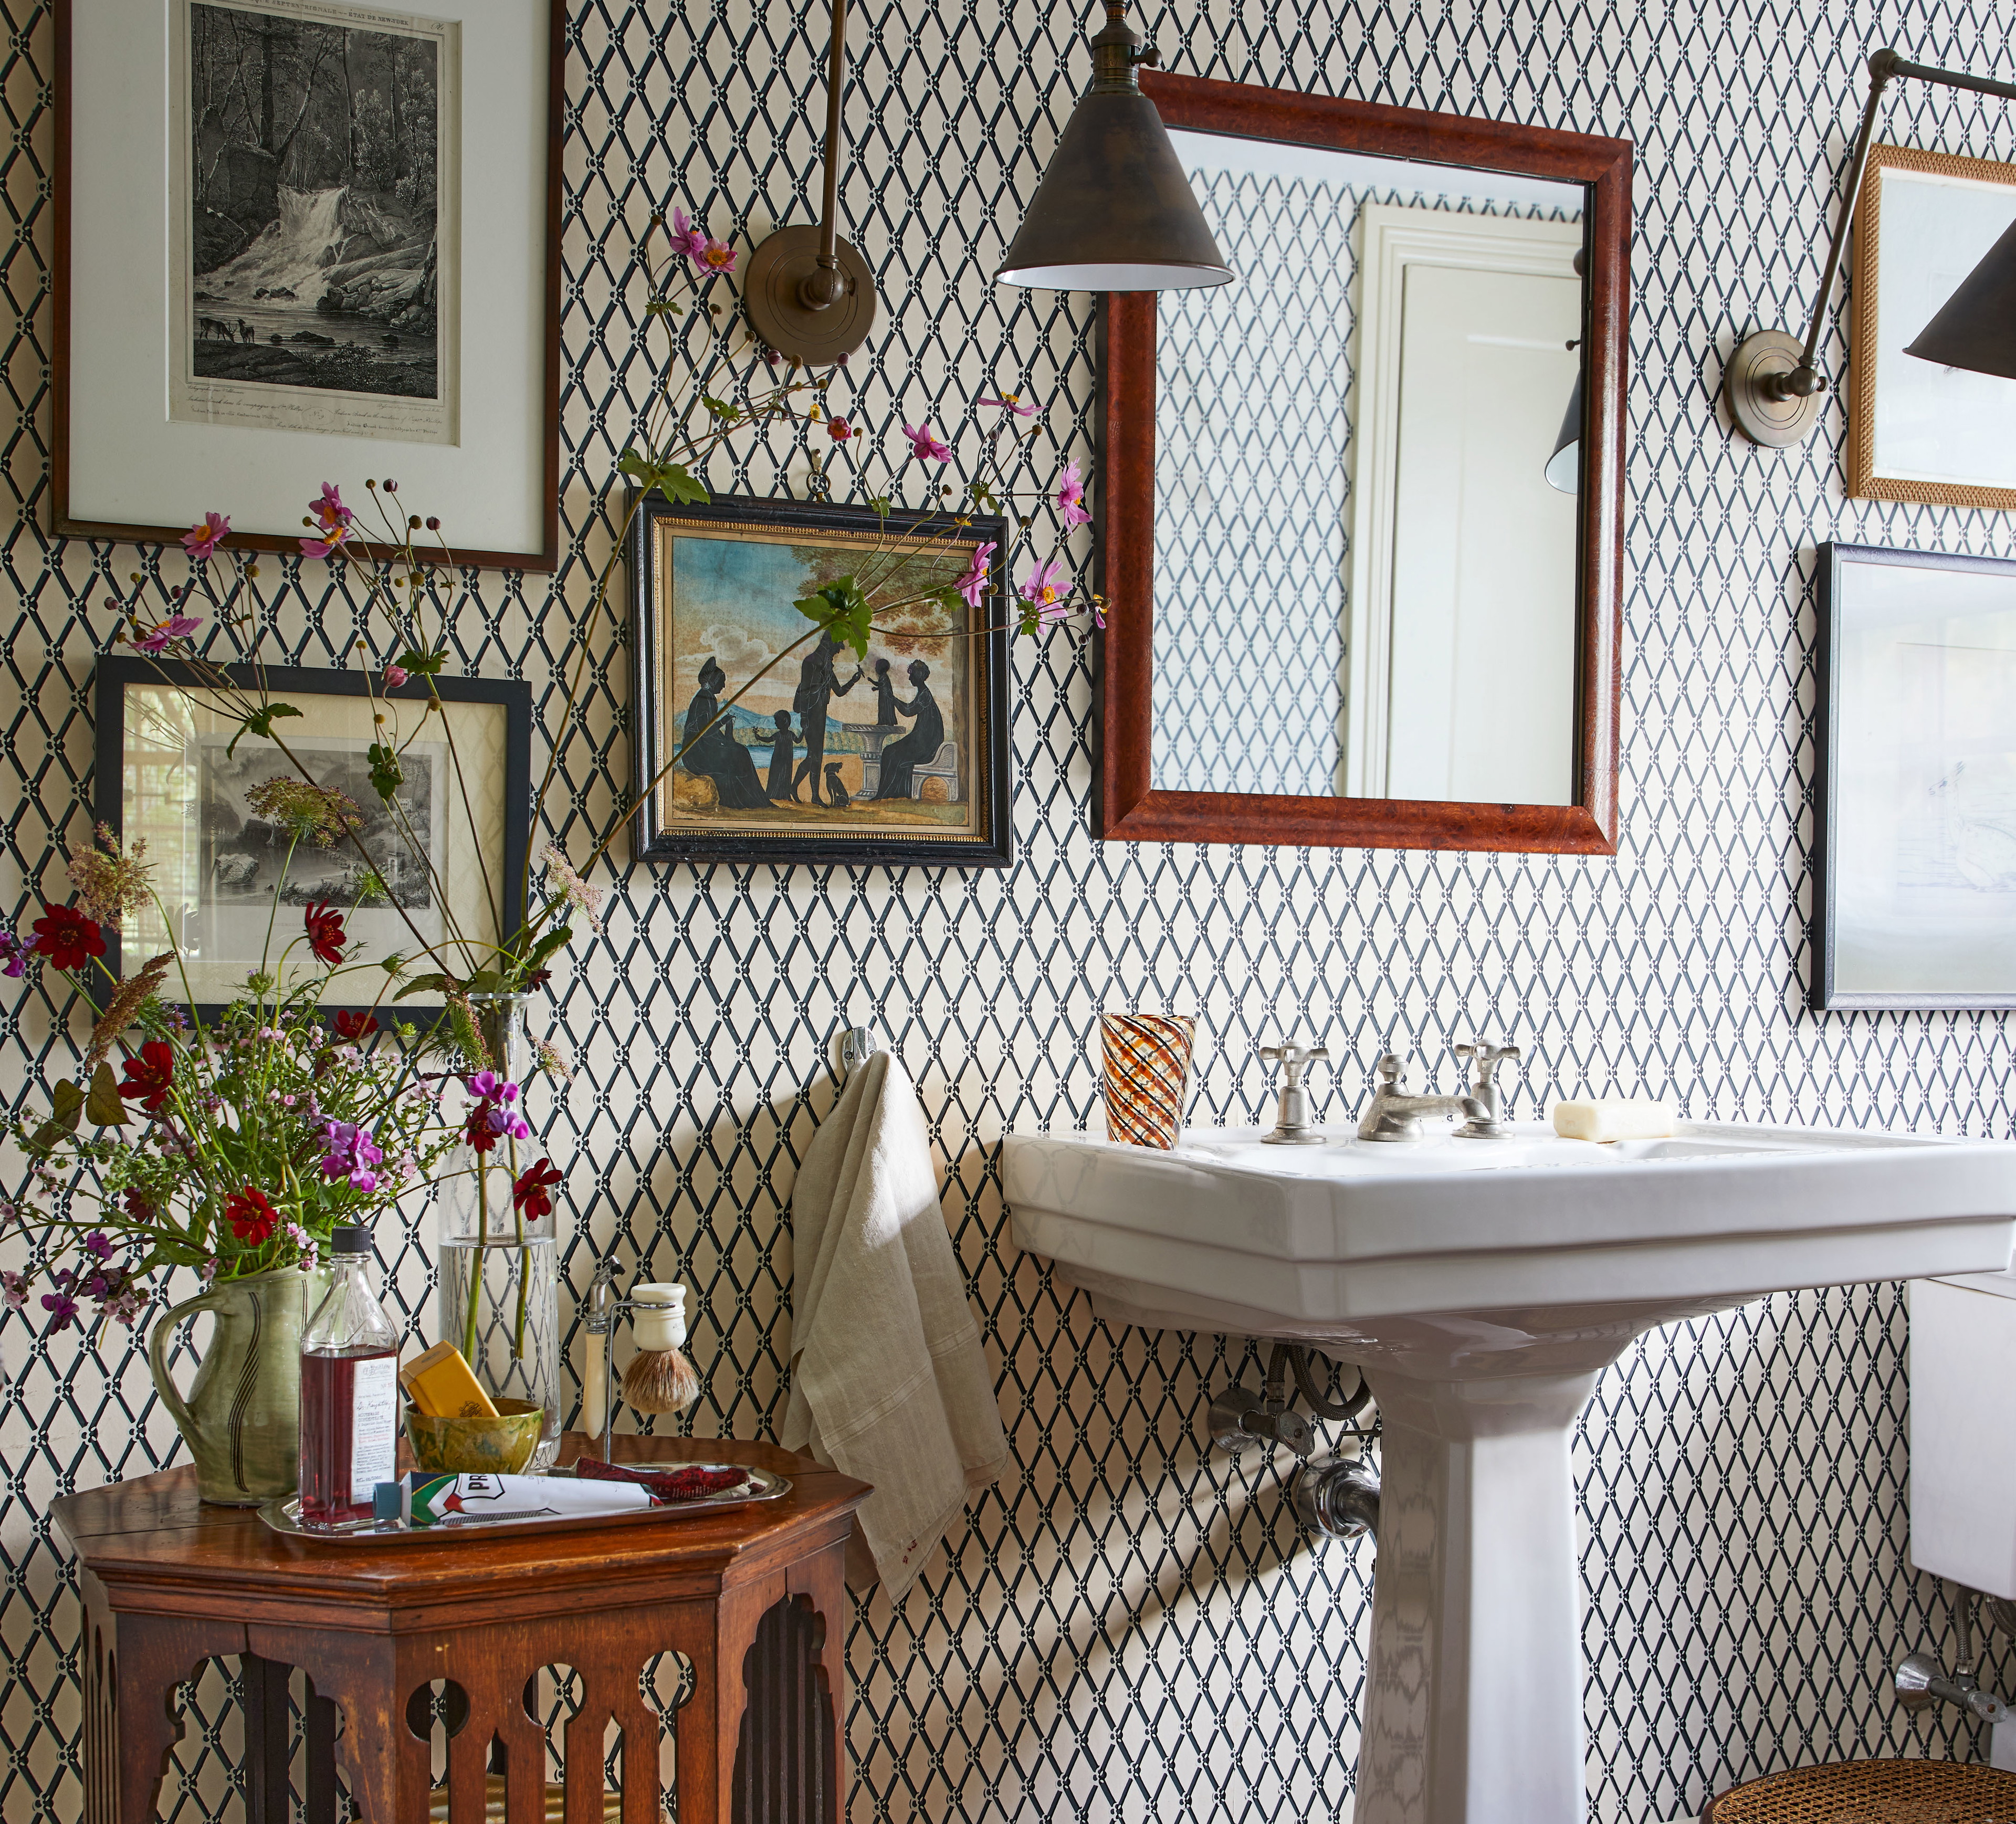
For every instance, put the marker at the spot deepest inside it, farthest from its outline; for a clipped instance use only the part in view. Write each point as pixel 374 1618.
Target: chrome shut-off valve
pixel 1338 1497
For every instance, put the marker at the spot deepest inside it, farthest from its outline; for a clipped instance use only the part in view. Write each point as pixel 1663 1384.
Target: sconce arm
pixel 1884 67
pixel 824 286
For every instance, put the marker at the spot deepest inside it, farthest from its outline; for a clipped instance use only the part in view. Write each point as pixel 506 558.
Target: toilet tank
pixel 1963 1429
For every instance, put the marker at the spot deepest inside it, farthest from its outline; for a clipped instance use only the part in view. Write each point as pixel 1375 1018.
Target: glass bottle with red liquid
pixel 350 1390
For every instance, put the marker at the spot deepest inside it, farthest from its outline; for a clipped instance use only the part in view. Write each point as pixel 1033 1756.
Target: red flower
pixel 67 938
pixel 530 1191
pixel 325 928
pixel 839 430
pixel 150 1076
pixel 252 1218
pixel 354 1026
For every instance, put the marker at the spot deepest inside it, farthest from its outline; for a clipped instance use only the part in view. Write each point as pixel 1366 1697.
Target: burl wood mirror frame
pixel 1128 808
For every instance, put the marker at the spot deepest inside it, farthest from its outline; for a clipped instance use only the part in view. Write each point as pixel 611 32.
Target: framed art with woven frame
pixel 1917 431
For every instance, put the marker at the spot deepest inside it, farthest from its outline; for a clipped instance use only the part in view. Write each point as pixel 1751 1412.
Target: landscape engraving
pixel 318 265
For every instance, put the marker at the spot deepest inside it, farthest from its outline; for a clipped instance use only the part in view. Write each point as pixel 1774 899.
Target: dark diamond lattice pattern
pixel 1130 1629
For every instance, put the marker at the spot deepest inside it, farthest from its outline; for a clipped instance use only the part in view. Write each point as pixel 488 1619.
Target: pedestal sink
pixel 1482 1285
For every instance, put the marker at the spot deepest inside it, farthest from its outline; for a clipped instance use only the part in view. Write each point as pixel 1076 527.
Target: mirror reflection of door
pixel 1363 586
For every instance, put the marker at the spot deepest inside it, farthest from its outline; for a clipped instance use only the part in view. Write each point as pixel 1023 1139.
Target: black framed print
pixel 349 268
pixel 177 773
pixel 1914 899
pixel 897 755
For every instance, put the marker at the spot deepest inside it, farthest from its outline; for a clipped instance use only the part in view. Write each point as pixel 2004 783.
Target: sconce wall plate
pixel 1760 414
pixel 773 292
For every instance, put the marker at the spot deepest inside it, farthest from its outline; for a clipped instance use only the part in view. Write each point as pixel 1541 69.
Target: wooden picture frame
pixel 1914 791
pixel 207 390
pixel 1129 806
pixel 173 783
pixel 1916 432
pixel 717 582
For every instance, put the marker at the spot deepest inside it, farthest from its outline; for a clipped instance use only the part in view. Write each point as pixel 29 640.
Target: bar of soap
pixel 1614 1118
pixel 440 1385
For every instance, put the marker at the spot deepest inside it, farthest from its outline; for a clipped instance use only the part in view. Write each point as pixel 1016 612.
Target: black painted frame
pixel 117 670
pixel 995 847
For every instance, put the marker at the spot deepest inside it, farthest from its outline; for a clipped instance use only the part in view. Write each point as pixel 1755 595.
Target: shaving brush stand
pixel 659 1378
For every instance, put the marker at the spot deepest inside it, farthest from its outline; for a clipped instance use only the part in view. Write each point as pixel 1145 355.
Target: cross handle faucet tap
pixel 1486 1059
pixel 1291 1124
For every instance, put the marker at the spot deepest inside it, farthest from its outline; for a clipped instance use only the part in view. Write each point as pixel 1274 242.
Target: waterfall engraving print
pixel 314 219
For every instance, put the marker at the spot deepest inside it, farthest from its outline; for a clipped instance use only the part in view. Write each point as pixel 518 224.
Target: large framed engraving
pixel 346 270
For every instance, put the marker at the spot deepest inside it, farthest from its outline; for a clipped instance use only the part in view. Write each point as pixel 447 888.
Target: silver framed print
pixel 341 237
pixel 181 775
pixel 1914 899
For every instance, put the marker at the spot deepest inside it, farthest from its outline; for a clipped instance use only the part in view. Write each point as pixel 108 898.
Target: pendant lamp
pixel 1113 211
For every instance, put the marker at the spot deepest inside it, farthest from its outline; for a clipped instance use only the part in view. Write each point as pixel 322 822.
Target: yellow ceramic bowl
pixel 501 1446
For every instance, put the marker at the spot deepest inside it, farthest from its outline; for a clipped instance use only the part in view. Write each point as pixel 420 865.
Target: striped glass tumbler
pixel 1148 1075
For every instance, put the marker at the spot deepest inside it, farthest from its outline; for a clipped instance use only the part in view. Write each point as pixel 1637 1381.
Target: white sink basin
pixel 1483 1285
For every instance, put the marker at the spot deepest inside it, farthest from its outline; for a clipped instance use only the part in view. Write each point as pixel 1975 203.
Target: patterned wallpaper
pixel 1131 1629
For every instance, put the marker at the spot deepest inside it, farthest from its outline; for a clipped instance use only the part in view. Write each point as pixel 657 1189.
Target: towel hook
pixel 857 1045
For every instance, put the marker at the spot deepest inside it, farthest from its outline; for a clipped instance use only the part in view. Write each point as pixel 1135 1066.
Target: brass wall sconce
pixel 1773 388
pixel 810 295
pixel 1113 211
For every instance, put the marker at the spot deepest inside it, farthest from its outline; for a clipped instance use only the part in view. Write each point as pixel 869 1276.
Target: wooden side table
pixel 752 1598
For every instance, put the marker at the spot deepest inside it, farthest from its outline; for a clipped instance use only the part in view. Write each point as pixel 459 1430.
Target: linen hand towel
pixel 888 1382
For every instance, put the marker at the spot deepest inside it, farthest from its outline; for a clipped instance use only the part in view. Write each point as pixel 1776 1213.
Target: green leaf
pixel 387 775
pixel 426 984
pixel 677 483
pixel 546 946
pixel 664 307
pixel 103 1106
pixel 880 505
pixel 423 664
pixel 260 723
pixel 984 494
pixel 68 1099
pixel 722 409
pixel 841 609
pixel 485 982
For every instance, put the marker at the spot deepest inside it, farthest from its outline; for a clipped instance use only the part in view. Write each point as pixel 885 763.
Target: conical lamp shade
pixel 1115 211
pixel 1564 469
pixel 1975 328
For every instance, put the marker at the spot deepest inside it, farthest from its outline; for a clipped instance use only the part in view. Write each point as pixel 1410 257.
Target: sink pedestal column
pixel 1474 1699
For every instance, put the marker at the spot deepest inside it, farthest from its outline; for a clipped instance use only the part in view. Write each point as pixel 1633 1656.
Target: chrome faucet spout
pixel 1396 1113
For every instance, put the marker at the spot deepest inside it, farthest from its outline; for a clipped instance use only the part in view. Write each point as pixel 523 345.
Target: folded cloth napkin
pixel 888 1383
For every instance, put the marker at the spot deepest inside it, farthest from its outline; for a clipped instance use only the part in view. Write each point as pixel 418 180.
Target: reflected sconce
pixel 1564 469
pixel 1113 211
pixel 809 294
pixel 1773 388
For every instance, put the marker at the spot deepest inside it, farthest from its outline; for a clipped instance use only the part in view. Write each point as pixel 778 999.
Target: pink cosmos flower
pixel 716 256
pixel 974 583
pixel 927 447
pixel 395 675
pixel 1042 593
pixel 1071 495
pixel 1009 402
pixel 203 538
pixel 155 641
pixel 686 239
pixel 331 519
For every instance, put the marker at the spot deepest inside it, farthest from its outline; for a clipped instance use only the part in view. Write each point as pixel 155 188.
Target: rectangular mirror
pixel 1359 525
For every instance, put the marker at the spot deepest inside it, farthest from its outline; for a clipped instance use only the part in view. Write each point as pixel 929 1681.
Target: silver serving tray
pixel 283 1514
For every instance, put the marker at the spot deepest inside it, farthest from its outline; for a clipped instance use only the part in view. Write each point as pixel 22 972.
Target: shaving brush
pixel 659 1379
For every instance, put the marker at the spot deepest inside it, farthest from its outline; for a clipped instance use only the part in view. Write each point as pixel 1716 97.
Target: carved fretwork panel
pixel 784 1750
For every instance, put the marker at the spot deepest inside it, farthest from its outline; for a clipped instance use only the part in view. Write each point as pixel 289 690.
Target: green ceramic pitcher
pixel 240 1416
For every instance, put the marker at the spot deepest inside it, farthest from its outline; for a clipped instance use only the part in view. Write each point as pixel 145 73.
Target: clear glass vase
pixel 499 1268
